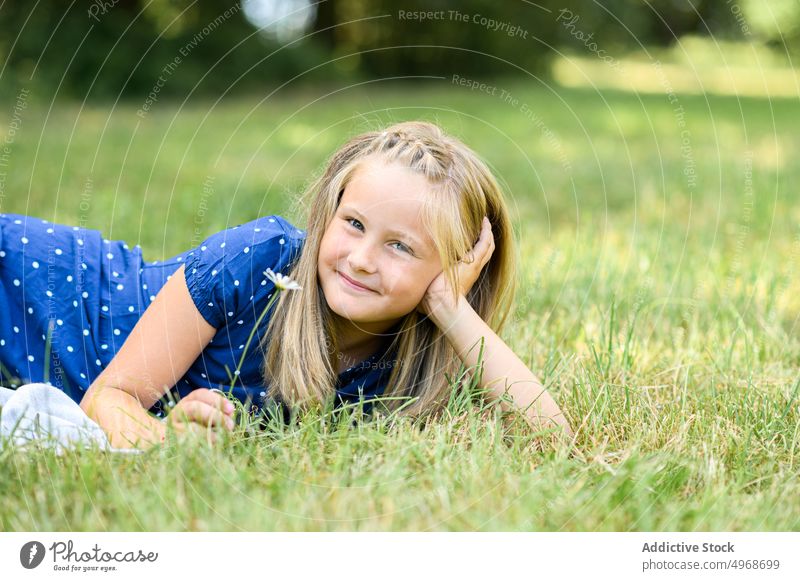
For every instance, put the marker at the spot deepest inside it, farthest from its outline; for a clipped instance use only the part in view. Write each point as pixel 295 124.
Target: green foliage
pixel 128 48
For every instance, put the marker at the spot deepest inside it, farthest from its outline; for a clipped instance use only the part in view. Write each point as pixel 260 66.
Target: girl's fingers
pixel 200 412
pixel 485 245
pixel 212 397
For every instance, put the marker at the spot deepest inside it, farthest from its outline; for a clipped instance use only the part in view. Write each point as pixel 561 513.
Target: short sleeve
pixel 228 268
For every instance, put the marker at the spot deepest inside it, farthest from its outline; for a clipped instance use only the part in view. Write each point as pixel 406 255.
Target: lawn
pixel 658 302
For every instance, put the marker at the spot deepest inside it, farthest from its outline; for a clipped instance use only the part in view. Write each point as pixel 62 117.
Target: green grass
pixel 661 315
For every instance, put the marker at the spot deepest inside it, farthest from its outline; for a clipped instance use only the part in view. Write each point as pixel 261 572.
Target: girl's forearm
pixel 503 371
pixel 126 423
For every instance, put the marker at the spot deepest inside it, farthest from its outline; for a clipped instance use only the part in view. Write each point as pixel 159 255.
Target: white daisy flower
pixel 281 282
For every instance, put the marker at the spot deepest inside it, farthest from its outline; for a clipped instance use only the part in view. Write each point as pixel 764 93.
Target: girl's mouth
pixel 350 283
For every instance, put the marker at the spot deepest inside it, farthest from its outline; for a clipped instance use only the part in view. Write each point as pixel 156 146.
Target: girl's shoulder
pixel 260 230
pixel 228 266
pixel 258 238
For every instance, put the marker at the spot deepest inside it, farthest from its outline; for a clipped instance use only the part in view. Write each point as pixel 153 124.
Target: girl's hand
pixel 438 298
pixel 201 410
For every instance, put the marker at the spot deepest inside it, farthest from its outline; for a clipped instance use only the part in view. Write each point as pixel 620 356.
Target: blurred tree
pixel 108 48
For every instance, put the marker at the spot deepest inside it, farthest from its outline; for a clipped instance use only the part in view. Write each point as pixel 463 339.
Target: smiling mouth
pixel 352 284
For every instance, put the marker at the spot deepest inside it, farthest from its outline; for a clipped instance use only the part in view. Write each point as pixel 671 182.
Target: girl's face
pixel 376 239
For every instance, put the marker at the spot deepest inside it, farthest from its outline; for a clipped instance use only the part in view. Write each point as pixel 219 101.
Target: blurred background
pixel 110 49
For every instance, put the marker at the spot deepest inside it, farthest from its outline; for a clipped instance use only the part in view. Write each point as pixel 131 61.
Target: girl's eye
pixel 358 226
pixel 351 220
pixel 402 247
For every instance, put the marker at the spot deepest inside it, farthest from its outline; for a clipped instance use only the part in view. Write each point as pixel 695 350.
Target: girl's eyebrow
pixel 397 233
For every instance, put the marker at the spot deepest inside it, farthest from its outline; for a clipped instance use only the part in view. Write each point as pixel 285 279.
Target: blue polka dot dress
pixel 70 298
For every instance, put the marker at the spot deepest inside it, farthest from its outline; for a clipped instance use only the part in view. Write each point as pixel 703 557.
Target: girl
pixel 406 267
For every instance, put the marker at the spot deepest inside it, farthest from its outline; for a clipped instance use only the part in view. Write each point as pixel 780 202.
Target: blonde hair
pixel 300 343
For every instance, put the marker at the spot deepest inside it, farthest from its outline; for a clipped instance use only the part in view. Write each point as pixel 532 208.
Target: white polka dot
pixel 110 256
pixel 85 332
pixel 49 230
pixel 2 342
pixel 152 298
pixel 59 251
pixel 104 308
pixel 16 282
pixel 246 249
pixel 103 346
pixel 236 372
pixel 83 376
pixel 24 240
pixel 115 274
pixel 85 295
pixel 83 266
pixel 263 282
pixel 169 276
pixel 263 394
pixel 131 309
pixel 179 259
pixel 272 219
pixel 230 313
pixel 35 264
pixel 281 241
pixel 97 361
pixel 48 293
pixel 120 287
pixel 17 221
pixel 144 286
pixel 210 304
pixel 30 310
pixel 74 303
pixel 105 241
pixel 70 349
pixel 116 331
pixel 236 283
pixel 241 346
pixel 202 248
pixel 240 322
pixel 59 322
pixel 2 254
pixel 69 278
pixel 213 273
pixel 16 329
pixel 80 242
pixel 30 357
pixel 222 245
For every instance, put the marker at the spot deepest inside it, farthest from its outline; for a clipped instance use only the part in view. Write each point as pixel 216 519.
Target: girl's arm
pixel 162 346
pixel 503 371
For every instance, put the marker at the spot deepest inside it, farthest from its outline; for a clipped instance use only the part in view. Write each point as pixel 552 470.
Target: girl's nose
pixel 361 257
